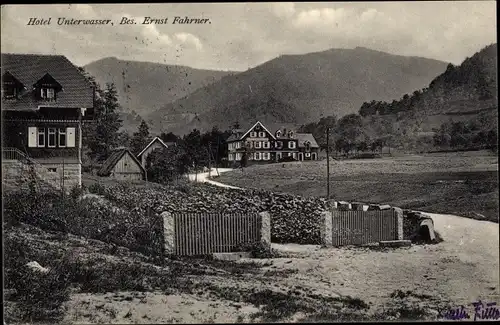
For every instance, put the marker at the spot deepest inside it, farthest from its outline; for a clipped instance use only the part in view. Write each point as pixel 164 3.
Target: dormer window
pixel 47 88
pixel 290 134
pixel 9 92
pixel 48 93
pixel 278 133
pixel 11 87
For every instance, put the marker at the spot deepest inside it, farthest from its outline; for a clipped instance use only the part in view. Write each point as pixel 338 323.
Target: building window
pixel 291 145
pixel 48 93
pixel 279 155
pixel 266 145
pixel 278 133
pixel 257 156
pixel 266 155
pixel 62 137
pixel 238 156
pixel 40 137
pixel 294 155
pixel 279 144
pixel 253 134
pixel 9 92
pixel 262 134
pixel 257 144
pixel 52 137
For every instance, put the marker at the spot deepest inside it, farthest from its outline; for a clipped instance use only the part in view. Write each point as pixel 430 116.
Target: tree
pixel 168 164
pixel 141 138
pixel 169 137
pixel 350 127
pixel 101 136
pixel 192 143
pixel 318 130
pixel 124 139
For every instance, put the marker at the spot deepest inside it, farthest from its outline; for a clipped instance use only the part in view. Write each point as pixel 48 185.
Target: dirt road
pixel 204 177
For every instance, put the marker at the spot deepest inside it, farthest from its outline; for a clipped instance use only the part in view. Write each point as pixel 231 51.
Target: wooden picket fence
pixel 354 227
pixel 202 234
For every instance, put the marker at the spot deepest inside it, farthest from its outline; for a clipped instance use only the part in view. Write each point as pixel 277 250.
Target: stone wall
pixel 16 174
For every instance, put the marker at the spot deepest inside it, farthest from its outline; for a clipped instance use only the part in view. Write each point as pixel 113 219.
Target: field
pixel 461 183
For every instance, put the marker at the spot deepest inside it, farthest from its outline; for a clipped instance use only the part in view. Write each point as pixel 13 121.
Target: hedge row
pixel 294 219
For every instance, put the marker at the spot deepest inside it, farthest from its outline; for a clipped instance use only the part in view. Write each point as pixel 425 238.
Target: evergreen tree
pixel 101 136
pixel 141 138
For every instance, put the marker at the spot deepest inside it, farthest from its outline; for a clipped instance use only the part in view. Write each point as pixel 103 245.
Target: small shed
pixel 122 165
pixel 156 143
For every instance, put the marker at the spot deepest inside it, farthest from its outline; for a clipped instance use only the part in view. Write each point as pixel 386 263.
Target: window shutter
pixel 70 140
pixel 32 136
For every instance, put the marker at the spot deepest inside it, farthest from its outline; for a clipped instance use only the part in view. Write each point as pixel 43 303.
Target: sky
pixel 240 36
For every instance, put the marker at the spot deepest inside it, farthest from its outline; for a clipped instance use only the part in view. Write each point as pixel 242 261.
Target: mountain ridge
pixel 146 86
pixel 303 84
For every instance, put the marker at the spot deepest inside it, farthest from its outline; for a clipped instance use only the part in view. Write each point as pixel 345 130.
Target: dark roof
pixel 113 159
pixel 76 92
pixel 303 137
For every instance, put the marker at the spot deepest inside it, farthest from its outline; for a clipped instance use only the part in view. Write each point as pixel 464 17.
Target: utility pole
pixel 327 163
pixel 217 157
pixel 209 160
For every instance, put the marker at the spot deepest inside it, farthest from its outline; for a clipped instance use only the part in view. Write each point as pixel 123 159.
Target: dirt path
pixel 204 177
pixel 462 269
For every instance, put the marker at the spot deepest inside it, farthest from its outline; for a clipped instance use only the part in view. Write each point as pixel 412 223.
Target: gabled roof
pixel 303 137
pixel 258 123
pixel 30 68
pixel 156 139
pixel 47 78
pixel 113 159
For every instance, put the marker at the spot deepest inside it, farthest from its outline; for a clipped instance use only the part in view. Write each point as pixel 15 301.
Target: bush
pixel 94 218
pixel 258 250
pixel 97 188
pixel 31 288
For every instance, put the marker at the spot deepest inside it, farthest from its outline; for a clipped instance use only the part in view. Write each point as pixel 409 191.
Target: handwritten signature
pixel 481 311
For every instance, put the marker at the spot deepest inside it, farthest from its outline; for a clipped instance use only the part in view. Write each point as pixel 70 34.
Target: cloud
pixel 85 10
pixel 320 17
pixel 283 9
pixel 244 35
pixel 189 39
pixel 151 33
pixel 369 15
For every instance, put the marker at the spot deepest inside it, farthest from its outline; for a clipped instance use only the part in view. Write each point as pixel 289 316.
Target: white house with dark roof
pixel 260 145
pixel 44 100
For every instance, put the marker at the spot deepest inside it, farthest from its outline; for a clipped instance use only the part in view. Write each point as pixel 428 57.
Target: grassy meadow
pixel 461 183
